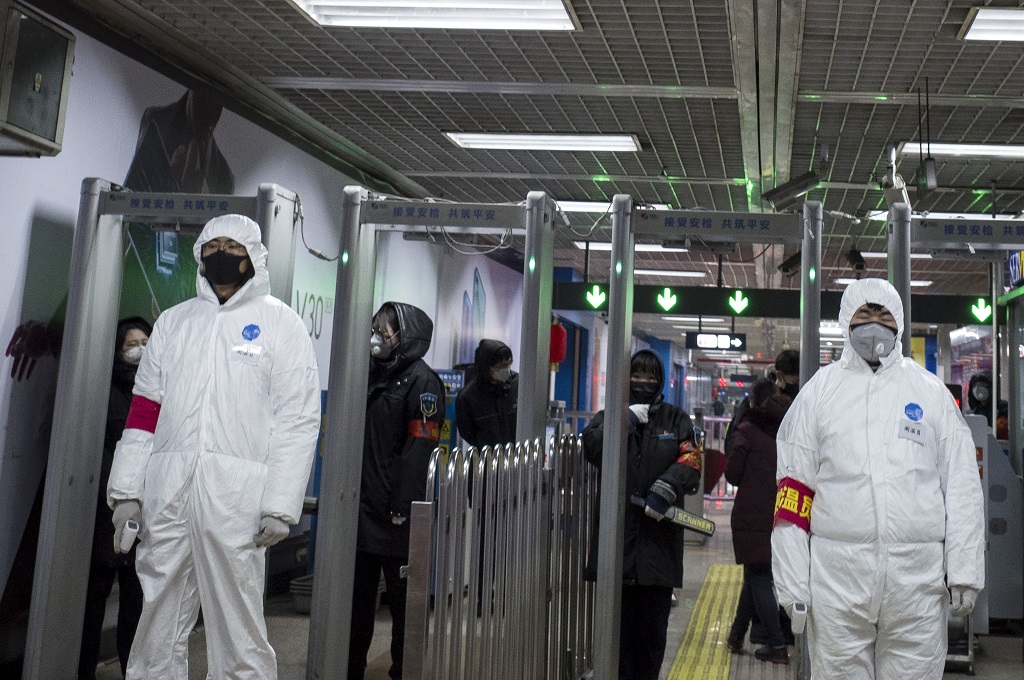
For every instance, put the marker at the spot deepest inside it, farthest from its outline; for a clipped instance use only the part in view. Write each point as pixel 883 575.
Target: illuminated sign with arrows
pixel 736 342
pixel 739 302
pixel 667 299
pixel 596 296
pixel 982 310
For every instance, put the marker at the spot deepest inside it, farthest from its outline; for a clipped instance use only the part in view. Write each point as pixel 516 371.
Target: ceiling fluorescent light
pixel 913 284
pixel 913 256
pixel 506 15
pixel 702 329
pixel 990 23
pixel 598 207
pixel 668 272
pixel 882 215
pixel 694 319
pixel 638 248
pixel 544 142
pixel 914 149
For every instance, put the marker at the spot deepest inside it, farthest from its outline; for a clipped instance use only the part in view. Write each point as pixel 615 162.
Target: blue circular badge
pixel 913 411
pixel 252 331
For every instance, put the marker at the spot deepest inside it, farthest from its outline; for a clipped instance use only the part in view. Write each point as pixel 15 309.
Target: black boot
pixel 778 655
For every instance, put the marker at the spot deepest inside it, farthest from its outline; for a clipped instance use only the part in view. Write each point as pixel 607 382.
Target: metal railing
pixel 496 561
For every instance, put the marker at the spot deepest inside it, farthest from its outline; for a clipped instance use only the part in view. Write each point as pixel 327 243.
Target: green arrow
pixel 667 300
pixel 738 302
pixel 595 297
pixel 982 310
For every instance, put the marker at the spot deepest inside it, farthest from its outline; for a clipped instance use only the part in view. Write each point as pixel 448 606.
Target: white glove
pixel 398 520
pixel 963 599
pixel 640 411
pixel 124 511
pixel 272 531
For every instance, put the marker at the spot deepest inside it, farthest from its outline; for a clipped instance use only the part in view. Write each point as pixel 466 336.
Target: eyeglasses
pixel 229 247
pixel 378 331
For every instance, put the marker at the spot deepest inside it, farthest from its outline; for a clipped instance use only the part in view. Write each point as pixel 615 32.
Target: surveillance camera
pixel 791 265
pixel 856 260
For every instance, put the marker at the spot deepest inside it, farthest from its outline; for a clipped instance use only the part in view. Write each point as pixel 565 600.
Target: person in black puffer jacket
pixel 404 413
pixel 752 468
pixel 485 410
pixel 663 465
pixel 105 565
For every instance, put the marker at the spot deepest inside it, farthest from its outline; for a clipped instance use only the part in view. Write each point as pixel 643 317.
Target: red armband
pixel 689 455
pixel 793 503
pixel 142 415
pixel 423 430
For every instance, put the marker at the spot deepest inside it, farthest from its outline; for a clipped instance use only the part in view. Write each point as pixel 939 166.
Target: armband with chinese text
pixel 793 503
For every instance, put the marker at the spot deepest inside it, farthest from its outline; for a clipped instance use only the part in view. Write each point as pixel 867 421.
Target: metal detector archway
pixel 363 216
pixel 674 225
pixel 94 287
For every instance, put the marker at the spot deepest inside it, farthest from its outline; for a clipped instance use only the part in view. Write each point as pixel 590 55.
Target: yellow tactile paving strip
pixel 703 654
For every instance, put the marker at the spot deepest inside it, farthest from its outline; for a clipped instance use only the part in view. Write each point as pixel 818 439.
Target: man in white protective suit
pixel 215 458
pixel 879 509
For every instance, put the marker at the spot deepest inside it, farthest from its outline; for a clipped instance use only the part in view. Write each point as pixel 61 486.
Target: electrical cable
pixel 297 216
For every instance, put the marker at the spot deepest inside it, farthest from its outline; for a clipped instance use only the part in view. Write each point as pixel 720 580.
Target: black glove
pixel 659 499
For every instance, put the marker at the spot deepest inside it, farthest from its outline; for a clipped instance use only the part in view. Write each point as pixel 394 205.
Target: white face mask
pixel 134 355
pixel 981 393
pixel 501 374
pixel 872 341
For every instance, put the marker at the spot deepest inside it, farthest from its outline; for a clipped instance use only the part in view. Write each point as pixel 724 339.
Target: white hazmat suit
pixel 896 511
pixel 222 433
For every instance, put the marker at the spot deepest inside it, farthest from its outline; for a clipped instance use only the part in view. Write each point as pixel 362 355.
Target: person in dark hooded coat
pixel 663 464
pixel 404 414
pixel 105 565
pixel 485 410
pixel 979 400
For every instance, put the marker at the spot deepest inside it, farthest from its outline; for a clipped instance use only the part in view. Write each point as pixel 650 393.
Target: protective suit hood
pixel 247 232
pixel 862 292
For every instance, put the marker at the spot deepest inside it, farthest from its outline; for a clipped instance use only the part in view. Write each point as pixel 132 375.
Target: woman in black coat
pixel 663 464
pixel 105 564
pixel 751 467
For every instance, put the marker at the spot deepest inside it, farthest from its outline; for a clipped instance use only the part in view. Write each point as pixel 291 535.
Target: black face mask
pixel 791 390
pixel 222 269
pixel 642 391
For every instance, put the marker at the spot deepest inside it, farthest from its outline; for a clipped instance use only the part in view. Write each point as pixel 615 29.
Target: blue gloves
pixel 272 531
pixel 659 499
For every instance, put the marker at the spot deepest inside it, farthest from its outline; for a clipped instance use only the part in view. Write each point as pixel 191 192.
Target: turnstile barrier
pixel 496 560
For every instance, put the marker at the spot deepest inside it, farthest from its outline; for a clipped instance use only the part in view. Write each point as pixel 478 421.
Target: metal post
pixel 331 615
pixel 996 277
pixel 898 226
pixel 536 332
pixel 613 467
pixel 810 292
pixel 76 440
pixel 276 213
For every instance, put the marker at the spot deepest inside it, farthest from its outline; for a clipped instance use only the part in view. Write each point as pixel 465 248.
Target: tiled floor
pixel 999 658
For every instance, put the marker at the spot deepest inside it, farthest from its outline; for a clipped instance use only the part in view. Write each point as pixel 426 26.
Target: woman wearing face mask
pixel 106 565
pixel 404 414
pixel 663 464
pixel 979 402
pixel 486 408
pixel 752 468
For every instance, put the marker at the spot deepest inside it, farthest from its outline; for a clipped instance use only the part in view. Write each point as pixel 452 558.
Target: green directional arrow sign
pixel 595 296
pixel 667 299
pixel 982 310
pixel 739 302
